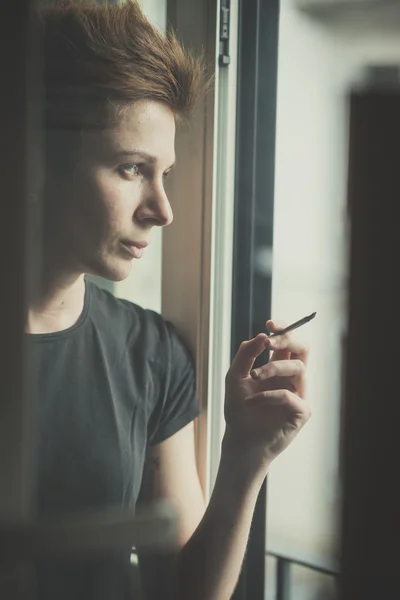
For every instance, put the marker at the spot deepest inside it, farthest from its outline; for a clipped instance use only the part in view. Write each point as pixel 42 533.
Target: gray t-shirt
pixel 119 380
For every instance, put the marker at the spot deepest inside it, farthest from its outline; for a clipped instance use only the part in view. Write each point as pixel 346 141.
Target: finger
pixel 274 326
pixel 279 398
pixel 281 374
pixel 282 368
pixel 246 355
pixel 286 346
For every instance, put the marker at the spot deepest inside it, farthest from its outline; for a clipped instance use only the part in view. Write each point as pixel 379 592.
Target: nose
pixel 155 209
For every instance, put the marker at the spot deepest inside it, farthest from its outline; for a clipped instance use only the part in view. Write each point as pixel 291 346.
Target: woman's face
pixel 116 194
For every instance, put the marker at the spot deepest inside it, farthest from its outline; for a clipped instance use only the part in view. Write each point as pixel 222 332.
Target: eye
pixel 133 170
pixel 166 174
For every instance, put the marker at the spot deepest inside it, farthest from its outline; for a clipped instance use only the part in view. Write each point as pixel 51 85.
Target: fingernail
pixel 254 373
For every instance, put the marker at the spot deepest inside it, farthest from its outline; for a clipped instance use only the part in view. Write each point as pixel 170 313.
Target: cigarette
pixel 295 325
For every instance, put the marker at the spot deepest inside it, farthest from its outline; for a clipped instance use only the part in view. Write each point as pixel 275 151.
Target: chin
pixel 116 271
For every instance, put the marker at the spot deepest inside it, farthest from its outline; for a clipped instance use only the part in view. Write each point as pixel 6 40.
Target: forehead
pixel 145 126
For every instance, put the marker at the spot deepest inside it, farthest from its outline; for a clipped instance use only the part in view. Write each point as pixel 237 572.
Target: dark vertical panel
pixel 254 199
pixel 371 505
pixel 20 215
pixel 20 181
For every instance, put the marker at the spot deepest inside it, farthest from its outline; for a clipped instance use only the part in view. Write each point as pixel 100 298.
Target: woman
pixel 115 384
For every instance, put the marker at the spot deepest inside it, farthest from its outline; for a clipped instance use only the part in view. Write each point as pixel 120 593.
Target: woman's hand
pixel 266 408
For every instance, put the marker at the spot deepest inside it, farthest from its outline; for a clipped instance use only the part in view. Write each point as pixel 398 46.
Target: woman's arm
pixel 264 412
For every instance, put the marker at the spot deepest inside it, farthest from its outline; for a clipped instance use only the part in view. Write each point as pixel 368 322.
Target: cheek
pixel 118 206
pixel 102 203
pixel 109 199
pixel 120 199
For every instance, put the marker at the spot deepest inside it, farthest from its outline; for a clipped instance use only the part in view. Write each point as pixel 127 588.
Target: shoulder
pixel 131 321
pixel 104 305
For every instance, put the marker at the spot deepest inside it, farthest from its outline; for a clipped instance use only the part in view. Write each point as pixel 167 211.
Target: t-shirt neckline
pixel 56 335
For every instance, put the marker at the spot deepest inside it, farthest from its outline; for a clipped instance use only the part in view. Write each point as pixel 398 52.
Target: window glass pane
pixel 307 584
pixel 309 274
pixel 318 65
pixel 270 578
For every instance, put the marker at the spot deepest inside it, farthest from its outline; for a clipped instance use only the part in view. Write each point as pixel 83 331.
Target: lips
pixel 136 244
pixel 135 249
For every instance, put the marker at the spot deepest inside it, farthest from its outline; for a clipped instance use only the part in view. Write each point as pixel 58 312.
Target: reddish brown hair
pixel 99 58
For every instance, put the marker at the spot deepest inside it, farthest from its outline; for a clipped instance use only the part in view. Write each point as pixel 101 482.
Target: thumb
pixel 247 354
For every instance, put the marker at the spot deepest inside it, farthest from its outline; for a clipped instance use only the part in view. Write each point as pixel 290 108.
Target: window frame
pixel 254 196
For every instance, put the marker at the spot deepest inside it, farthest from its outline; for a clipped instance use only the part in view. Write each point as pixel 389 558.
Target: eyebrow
pixel 148 157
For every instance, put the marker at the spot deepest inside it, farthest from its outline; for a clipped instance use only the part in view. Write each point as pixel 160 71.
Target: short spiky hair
pixel 99 58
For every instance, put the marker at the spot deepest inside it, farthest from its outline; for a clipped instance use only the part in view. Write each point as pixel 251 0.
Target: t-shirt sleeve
pixel 179 405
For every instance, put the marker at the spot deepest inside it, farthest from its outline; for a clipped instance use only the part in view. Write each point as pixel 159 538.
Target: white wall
pixel 316 66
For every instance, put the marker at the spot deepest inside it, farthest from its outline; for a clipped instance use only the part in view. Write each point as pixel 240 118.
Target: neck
pixel 58 303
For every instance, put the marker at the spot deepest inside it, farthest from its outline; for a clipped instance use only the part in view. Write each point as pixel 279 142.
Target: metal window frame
pixel 223 223
pixel 254 198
